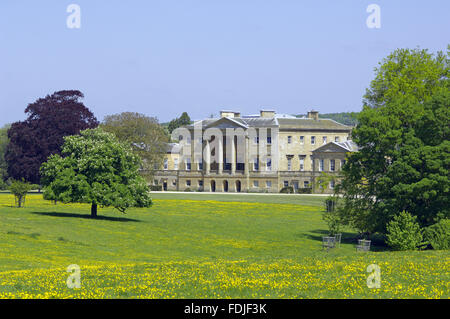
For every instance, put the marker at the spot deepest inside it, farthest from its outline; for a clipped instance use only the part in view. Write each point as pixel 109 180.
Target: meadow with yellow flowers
pixel 200 246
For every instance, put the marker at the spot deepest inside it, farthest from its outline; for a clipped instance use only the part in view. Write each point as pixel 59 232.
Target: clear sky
pixel 164 57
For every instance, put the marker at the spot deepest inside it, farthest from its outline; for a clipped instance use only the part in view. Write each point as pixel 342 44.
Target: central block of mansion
pixel 264 153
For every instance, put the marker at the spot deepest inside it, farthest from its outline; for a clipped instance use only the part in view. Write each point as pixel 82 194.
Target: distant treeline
pixel 346 118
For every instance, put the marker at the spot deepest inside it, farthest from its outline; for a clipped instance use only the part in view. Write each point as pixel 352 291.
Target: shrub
pixel 188 190
pixel 307 190
pixel 3 185
pixel 403 232
pixel 287 190
pixel 438 235
pixel 155 188
pixel 20 190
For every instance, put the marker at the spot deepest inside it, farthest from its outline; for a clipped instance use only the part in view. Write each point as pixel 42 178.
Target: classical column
pixel 220 155
pixel 246 156
pixel 233 156
pixel 246 165
pixel 207 157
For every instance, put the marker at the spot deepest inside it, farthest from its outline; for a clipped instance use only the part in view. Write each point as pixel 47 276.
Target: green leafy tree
pixel 403 232
pixel 3 164
pixel 96 169
pixel 143 134
pixel 20 189
pixel 183 120
pixel 331 215
pixel 438 235
pixel 403 138
pixel 324 180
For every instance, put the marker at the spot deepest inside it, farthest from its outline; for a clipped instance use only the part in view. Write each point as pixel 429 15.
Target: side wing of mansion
pixel 255 153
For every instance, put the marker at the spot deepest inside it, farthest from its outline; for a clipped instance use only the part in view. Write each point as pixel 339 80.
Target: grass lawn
pixel 200 246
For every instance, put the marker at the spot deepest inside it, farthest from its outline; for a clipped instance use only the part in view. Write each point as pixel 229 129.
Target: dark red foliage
pixel 41 134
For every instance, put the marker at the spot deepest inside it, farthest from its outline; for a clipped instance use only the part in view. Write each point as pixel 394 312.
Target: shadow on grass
pixel 85 216
pixel 377 243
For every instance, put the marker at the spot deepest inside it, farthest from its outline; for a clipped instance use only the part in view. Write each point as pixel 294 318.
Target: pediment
pixel 330 148
pixel 227 122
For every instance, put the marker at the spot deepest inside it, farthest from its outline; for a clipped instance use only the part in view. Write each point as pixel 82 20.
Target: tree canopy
pixel 3 165
pixel 143 134
pixel 403 138
pixel 95 168
pixel 184 119
pixel 41 134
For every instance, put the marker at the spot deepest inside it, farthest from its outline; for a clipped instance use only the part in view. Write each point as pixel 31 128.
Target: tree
pixel 403 139
pixel 41 134
pixel 96 169
pixel 143 134
pixel 20 189
pixel 403 232
pixel 184 119
pixel 3 165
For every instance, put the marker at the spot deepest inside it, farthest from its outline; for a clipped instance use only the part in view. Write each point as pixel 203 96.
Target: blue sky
pixel 161 58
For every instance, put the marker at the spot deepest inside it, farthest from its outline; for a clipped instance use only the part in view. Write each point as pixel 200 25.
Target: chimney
pixel 313 115
pixel 267 113
pixel 231 114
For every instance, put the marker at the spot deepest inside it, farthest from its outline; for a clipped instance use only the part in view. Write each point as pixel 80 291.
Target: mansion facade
pixel 255 153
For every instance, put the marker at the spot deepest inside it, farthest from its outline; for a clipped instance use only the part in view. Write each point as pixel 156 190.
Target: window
pixel 166 163
pixel 286 183
pixel 256 140
pixel 331 184
pixel 269 164
pixel 289 139
pixel 155 182
pixel 268 184
pixel 255 164
pixel 306 184
pixel 295 183
pixel 302 140
pixel 188 164
pixel 188 182
pixel 302 163
pixel 332 165
pixel 321 165
pixel 324 140
pixel 269 139
pixel 336 139
pixel 255 184
pixel 175 164
pixel 174 182
pixel 289 164
pixel 313 140
pixel 200 183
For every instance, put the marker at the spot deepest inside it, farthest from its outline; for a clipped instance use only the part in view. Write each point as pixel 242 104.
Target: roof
pixel 282 121
pixel 312 124
pixel 347 146
pixel 173 148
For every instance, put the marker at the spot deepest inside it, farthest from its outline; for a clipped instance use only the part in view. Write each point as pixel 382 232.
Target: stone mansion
pixel 255 153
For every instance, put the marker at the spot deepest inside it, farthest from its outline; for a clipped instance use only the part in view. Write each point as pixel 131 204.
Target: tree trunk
pixel 94 210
